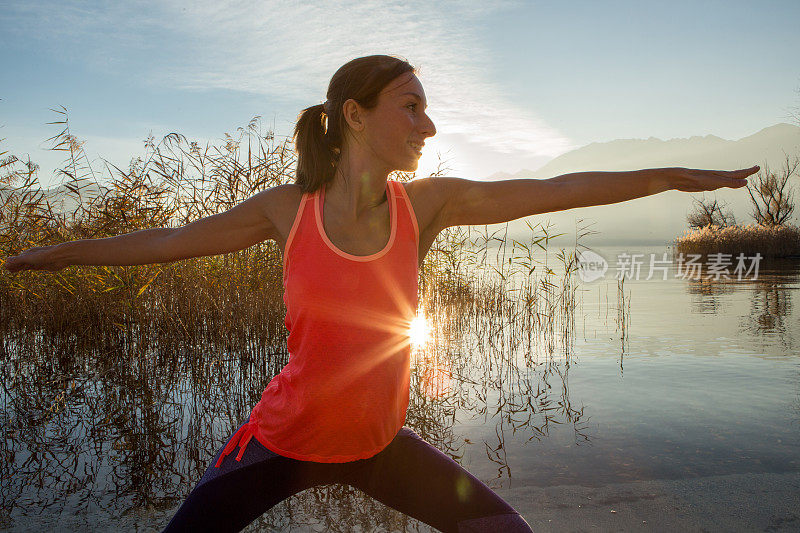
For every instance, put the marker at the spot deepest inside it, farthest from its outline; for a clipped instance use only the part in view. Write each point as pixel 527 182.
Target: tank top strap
pixel 304 213
pixel 405 210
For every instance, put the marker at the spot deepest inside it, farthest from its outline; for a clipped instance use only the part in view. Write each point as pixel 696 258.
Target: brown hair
pixel 318 147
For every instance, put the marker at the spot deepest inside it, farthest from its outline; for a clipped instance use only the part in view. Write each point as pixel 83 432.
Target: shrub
pixel 771 195
pixel 709 213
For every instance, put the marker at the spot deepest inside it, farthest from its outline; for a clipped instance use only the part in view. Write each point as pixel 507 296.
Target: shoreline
pixel 735 502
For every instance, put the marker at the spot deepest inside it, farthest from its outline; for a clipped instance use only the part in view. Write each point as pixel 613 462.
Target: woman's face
pixel 396 129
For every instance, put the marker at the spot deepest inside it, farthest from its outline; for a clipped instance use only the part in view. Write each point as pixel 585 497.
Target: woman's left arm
pixel 467 202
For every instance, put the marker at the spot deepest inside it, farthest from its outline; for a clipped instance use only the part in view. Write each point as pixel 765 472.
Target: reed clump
pixel 234 299
pixel 772 242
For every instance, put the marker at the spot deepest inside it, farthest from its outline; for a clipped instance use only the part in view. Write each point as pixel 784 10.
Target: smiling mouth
pixel 416 147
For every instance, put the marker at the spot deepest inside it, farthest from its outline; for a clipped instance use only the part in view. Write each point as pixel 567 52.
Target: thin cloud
pixel 289 50
pixel 296 52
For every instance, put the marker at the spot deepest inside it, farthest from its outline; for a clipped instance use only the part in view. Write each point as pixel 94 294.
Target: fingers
pixel 737 174
pixel 747 171
pixel 735 179
pixel 14 264
pixel 710 180
pixel 30 259
pixel 739 177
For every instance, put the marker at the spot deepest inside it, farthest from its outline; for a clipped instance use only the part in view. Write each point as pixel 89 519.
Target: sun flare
pixel 419 331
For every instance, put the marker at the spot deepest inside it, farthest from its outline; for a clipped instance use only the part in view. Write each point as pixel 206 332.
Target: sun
pixel 419 331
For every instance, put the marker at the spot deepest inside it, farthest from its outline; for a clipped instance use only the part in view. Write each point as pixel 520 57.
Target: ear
pixel 353 114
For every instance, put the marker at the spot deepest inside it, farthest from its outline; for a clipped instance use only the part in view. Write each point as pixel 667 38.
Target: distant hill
pixel 62 200
pixel 524 173
pixel 695 152
pixel 661 218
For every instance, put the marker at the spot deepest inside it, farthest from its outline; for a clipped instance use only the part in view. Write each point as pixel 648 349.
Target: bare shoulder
pixel 287 190
pixel 429 197
pixel 282 194
pixel 279 204
pixel 435 189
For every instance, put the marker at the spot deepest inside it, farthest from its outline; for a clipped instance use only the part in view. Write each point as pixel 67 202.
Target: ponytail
pixel 316 162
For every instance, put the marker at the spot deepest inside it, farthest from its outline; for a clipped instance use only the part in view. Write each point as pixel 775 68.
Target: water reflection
pixel 114 433
pixel 707 293
pixel 771 305
pixel 770 299
pixel 501 365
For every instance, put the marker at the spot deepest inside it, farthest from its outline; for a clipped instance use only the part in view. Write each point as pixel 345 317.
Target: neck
pixel 359 184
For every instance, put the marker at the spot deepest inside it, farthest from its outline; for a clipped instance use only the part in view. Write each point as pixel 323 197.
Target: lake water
pixel 695 378
pixel 705 380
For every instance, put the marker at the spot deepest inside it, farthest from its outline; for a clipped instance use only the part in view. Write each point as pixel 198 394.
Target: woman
pixel 352 241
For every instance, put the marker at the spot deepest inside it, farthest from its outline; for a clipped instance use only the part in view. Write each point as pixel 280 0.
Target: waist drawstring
pixel 242 438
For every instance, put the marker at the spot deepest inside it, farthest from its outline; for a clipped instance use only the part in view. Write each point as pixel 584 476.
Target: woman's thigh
pixel 415 478
pixel 230 496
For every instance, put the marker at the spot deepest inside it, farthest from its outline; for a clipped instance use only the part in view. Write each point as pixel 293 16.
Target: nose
pixel 427 127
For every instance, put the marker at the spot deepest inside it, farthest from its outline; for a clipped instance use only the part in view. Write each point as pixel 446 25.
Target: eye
pixel 413 106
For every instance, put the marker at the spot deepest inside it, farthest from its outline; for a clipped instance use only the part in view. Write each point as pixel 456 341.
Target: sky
pixel 510 85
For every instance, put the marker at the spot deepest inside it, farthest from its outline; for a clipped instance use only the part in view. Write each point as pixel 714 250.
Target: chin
pixel 409 166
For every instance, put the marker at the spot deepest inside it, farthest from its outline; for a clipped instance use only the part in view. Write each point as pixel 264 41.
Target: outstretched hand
pixel 695 180
pixel 38 258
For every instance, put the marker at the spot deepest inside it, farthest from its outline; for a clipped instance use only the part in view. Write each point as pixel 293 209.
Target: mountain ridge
pixel 659 219
pixel 766 142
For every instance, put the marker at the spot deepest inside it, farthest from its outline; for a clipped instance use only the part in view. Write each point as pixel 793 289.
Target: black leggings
pixel 409 475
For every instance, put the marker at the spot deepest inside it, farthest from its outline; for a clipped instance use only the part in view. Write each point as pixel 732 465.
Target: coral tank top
pixel 343 394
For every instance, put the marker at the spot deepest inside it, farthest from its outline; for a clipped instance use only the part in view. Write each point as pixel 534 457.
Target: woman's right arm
pixel 244 225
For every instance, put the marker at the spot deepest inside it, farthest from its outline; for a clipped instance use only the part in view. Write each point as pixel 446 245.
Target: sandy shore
pixel 740 502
